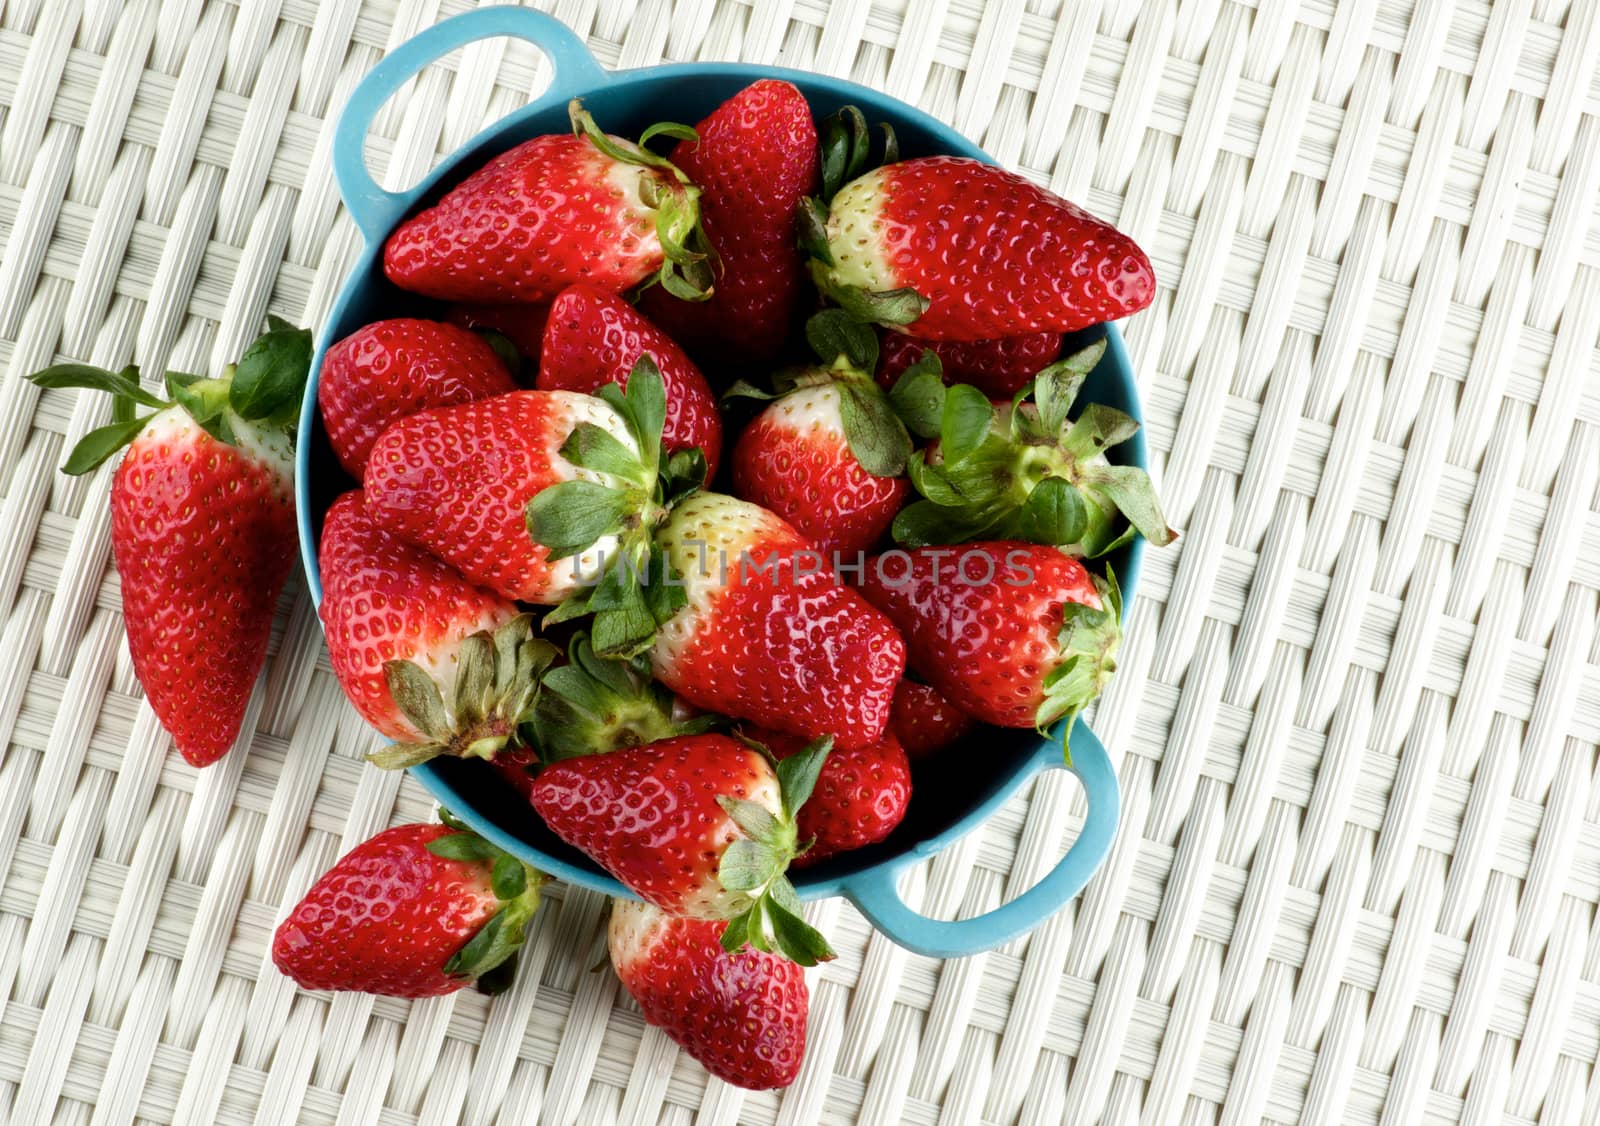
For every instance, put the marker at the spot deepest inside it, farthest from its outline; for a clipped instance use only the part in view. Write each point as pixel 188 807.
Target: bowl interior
pixel 952 791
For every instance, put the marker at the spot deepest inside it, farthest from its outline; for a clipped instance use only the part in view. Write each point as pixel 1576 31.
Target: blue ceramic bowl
pixel 954 792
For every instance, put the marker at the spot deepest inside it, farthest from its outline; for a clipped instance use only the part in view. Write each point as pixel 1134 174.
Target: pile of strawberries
pixel 699 665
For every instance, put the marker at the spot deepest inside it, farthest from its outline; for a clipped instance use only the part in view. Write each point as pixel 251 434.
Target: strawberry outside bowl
pixel 953 792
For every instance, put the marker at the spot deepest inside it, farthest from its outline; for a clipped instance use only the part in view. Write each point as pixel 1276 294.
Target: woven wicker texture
pixel 1358 716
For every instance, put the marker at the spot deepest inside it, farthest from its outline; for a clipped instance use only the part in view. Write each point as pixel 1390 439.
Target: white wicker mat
pixel 1358 718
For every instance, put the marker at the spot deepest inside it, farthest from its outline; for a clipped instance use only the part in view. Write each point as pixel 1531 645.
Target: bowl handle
pixel 876 895
pixel 375 210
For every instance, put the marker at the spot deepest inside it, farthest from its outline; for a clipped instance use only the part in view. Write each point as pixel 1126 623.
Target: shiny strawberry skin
pixel 385 371
pixel 742 1016
pixel 384 599
pixel 552 211
pixel 203 535
pixel 523 325
pixel 386 918
pixel 768 634
pixel 998 368
pixel 1024 261
pixel 593 338
pixel 455 481
pixel 794 459
pixel 755 161
pixel 649 815
pixel 860 797
pixel 988 640
pixel 925 722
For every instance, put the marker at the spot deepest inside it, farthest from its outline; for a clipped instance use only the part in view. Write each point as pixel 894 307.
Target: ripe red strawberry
pixel 756 159
pixel 956 249
pixel 456 481
pixel 796 459
pixel 742 1015
pixel 860 796
pixel 829 455
pixel 417 911
pixel 767 633
pixel 202 526
pixel 594 338
pixel 391 369
pixel 998 368
pixel 700 826
pixel 925 722
pixel 1014 634
pixel 523 325
pixel 1026 470
pixel 553 211
pixel 406 632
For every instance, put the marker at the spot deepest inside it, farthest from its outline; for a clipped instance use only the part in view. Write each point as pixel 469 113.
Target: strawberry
pixel 767 633
pixel 553 211
pixel 405 632
pixel 521 325
pixel 395 368
pixel 998 368
pixel 755 160
pixel 700 826
pixel 829 454
pixel 593 338
pixel 742 1015
pixel 456 480
pixel 956 249
pixel 1014 634
pixel 860 796
pixel 1024 469
pixel 417 911
pixel 925 722
pixel 202 526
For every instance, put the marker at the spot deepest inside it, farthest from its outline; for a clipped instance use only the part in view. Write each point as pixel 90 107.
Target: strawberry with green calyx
pixel 742 1015
pixel 828 454
pixel 1024 470
pixel 767 633
pixel 860 796
pixel 456 481
pixel 493 694
pixel 950 248
pixel 593 338
pixel 556 210
pixel 416 911
pixel 385 599
pixel 755 160
pixel 592 705
pixel 701 826
pixel 631 594
pixel 202 525
pixel 1014 634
